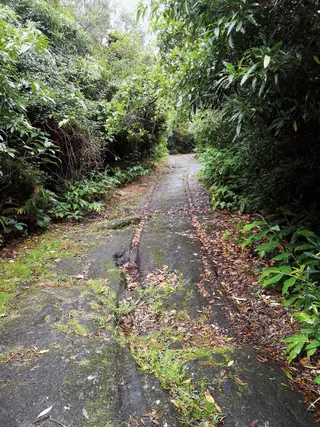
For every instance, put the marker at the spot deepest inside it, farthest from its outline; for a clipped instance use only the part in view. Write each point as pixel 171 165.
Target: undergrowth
pixel 294 254
pixel 75 200
pixel 87 195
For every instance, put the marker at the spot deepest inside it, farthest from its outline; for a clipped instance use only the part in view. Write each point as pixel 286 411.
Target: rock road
pixel 66 342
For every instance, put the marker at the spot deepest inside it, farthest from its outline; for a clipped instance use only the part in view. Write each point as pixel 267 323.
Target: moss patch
pixel 100 363
pixel 155 355
pixel 73 325
pixel 106 295
pixel 35 264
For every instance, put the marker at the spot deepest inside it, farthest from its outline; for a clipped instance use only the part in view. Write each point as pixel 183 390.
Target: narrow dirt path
pixel 123 322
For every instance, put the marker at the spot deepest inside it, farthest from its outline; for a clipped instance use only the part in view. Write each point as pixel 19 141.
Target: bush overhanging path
pixel 125 320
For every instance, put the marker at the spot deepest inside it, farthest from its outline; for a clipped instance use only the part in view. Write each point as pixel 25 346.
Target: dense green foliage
pixel 70 104
pixel 255 68
pixel 249 73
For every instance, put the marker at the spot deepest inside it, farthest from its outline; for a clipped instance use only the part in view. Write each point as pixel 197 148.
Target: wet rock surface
pixel 63 344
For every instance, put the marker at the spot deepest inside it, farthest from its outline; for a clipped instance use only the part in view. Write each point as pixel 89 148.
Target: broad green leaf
pixel 296 338
pixel 262 234
pixel 288 283
pixel 303 247
pixel 307 331
pixel 252 20
pixel 313 344
pixel 288 375
pixel 239 26
pixel 269 271
pixel 275 228
pixel 311 352
pixel 272 280
pixel 252 225
pixel 295 351
pixel 304 317
pixel 317 380
pixel 311 255
pixel 268 246
pixel 282 256
pixel 317 60
pixel 305 233
pixel 246 243
pixel 286 269
pixel 230 67
pixel 248 73
pixel 230 40
pixel 290 347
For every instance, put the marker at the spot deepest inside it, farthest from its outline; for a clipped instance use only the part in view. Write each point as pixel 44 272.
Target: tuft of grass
pixel 106 296
pixel 157 294
pixel 34 264
pixel 154 356
pixel 73 326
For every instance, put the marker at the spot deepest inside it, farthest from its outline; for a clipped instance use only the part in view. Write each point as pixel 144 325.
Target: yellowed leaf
pixel 217 407
pixel 209 398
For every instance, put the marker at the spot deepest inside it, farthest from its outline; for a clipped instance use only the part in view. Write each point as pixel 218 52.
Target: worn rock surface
pixel 65 343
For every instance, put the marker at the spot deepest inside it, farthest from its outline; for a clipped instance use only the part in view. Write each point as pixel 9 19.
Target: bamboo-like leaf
pixel 313 344
pixel 252 225
pixel 248 73
pixel 268 246
pixel 269 271
pixel 295 351
pixel 282 256
pixel 304 317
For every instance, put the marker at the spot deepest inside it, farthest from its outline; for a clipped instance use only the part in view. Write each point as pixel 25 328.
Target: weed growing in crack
pixel 155 355
pixel 160 285
pixel 106 296
pixel 124 308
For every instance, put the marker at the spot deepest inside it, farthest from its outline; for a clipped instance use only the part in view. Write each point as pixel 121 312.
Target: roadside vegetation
pixel 80 113
pixel 249 74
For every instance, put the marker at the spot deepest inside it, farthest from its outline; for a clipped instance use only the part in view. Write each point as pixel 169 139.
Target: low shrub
pixel 87 195
pixel 294 254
